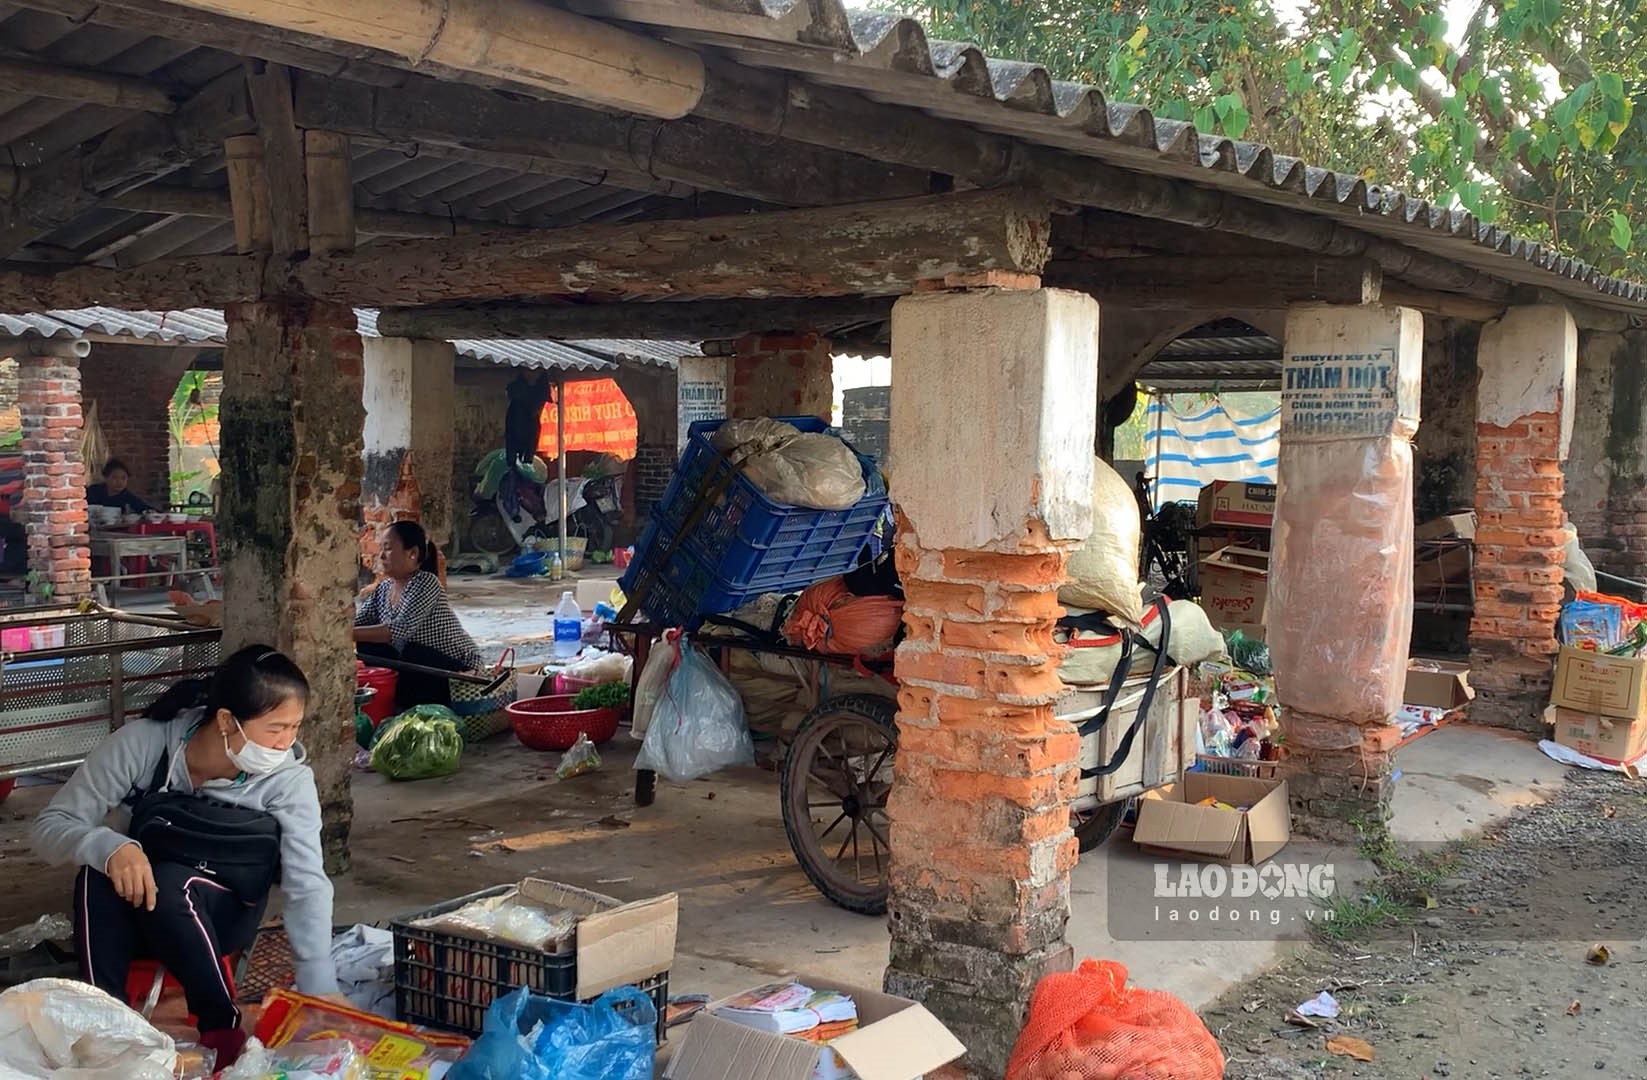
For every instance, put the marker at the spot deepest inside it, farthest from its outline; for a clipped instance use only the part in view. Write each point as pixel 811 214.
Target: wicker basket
pixel 550 723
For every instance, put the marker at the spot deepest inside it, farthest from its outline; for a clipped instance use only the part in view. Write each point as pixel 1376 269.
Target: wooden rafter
pixel 693 320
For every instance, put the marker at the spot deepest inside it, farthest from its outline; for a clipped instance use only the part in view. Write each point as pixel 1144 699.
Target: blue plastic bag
pixel 530 1037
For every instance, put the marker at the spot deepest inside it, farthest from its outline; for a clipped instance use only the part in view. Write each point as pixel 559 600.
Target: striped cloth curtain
pixel 1186 449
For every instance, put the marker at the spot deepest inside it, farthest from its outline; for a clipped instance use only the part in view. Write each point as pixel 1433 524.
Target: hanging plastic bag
pixel 68 1030
pixel 1104 572
pixel 1089 1022
pixel 698 726
pixel 654 677
pixel 538 1038
pixel 419 744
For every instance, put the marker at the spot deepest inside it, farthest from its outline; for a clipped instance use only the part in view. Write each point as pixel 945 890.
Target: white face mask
pixel 255 759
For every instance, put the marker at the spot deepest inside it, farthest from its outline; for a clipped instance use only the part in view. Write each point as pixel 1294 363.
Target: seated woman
pixel 216 760
pixel 115 491
pixel 407 617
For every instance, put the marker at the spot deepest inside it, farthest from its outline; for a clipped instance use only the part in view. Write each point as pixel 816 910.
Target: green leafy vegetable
pixel 612 695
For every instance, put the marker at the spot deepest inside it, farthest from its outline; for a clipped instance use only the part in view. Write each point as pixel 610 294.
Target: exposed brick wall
pixel 654 467
pixel 54 498
pixel 978 913
pixel 1519 552
pixel 782 375
pixel 390 493
pixel 132 386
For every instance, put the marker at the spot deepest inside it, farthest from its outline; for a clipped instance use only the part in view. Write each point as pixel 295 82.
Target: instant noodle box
pixel 1595 683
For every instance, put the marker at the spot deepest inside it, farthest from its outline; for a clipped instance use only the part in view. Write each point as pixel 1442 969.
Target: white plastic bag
pixel 810 469
pixel 1104 572
pixel 68 1030
pixel 698 726
pixel 653 679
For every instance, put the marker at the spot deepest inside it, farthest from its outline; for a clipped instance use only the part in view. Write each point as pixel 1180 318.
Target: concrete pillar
pixel 782 375
pixel 409 396
pixel 292 420
pixel 54 493
pixel 1341 588
pixel 1524 427
pixel 993 412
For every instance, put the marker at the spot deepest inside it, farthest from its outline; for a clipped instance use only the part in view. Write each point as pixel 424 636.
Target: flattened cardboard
pixel 1606 738
pixel 1235 587
pixel 1236 502
pixel 1433 569
pixel 1437 684
pixel 1449 526
pixel 617 944
pixel 1594 683
pixel 1169 820
pixel 896 1040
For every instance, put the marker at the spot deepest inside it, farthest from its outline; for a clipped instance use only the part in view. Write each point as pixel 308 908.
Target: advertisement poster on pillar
pixel 1348 395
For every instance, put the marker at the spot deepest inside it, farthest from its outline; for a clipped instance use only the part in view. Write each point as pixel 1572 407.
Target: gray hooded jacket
pixel 78 828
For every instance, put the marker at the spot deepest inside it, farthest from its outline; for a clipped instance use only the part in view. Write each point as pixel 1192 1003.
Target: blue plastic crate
pixel 744 544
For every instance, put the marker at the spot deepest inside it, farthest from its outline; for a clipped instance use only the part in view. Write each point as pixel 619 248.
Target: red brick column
pixel 1523 431
pixel 293 424
pixel 782 375
pixel 54 493
pixel 994 403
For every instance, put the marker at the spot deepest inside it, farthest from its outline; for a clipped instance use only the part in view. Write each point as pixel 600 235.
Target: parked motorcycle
pixel 515 505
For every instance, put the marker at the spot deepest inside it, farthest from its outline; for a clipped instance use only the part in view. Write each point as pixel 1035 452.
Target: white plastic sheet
pixel 67 1030
pixel 1568 756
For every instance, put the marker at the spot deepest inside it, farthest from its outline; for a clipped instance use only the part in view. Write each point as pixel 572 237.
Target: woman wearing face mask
pixel 213 803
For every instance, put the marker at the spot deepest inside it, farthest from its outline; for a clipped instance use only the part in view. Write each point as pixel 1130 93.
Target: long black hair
pixel 411 536
pixel 251 683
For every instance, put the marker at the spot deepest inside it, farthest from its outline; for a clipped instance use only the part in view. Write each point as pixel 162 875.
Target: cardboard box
pixel 1606 738
pixel 1169 820
pixel 1459 526
pixel 1593 683
pixel 1437 684
pixel 617 944
pixel 1235 502
pixel 1235 588
pixel 1447 567
pixel 592 591
pixel 896 1040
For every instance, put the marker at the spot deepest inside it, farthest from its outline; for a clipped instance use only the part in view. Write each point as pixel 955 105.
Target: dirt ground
pixel 1470 961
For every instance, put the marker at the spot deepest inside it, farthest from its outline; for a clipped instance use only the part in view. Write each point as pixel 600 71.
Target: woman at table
pixel 115 490
pixel 408 618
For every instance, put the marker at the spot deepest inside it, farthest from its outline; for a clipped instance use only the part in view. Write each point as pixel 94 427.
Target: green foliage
pixel 1523 114
pixel 612 695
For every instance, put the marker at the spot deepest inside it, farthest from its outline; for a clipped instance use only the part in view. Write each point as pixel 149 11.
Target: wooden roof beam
pixel 31 79
pixel 1189 282
pixel 870 249
pixel 703 153
pixel 198 202
pixel 685 320
pixel 44 198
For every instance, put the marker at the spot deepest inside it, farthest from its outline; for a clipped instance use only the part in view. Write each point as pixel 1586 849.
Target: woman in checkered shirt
pixel 407 617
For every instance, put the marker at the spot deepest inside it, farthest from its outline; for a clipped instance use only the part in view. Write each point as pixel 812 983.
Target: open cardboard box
pixel 897 1040
pixel 1169 820
pixel 1437 684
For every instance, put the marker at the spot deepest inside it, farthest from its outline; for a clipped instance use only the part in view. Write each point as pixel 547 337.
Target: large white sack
pixel 69 1030
pixel 1104 573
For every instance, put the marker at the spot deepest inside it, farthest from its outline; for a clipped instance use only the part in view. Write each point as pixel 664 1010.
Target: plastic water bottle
pixel 568 628
pixel 557 571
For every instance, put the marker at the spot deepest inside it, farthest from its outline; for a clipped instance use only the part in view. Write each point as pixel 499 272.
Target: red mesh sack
pixel 1088 1024
pixel 829 618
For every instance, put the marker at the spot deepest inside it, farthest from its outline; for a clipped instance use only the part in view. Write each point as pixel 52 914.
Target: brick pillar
pixel 654 393
pixel 409 396
pixel 54 477
pixel 782 375
pixel 1340 608
pixel 993 417
pixel 1524 424
pixel 292 449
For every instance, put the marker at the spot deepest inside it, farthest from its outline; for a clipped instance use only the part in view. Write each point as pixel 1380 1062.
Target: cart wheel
pixel 1092 827
pixel 835 778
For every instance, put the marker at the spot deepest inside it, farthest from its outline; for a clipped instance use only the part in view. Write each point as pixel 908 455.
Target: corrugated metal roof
pixel 205 326
pixel 889 58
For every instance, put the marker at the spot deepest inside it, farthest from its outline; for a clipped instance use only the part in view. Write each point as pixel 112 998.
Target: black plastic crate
pixel 447 982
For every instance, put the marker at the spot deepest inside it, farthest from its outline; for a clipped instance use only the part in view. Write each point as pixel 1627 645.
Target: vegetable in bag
pixel 419 744
pixel 698 726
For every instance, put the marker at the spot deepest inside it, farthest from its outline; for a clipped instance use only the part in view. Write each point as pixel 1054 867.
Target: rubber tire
pixel 877 710
pixel 1092 832
pixel 490 536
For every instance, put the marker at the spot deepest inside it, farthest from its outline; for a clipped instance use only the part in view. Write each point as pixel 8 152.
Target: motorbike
pixel 516 504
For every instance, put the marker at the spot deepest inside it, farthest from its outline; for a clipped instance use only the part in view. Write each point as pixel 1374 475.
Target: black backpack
pixel 237 847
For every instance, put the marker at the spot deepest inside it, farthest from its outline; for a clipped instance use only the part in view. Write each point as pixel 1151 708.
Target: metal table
pixel 116 548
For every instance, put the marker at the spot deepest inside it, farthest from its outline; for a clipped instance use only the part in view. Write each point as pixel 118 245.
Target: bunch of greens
pixel 612 695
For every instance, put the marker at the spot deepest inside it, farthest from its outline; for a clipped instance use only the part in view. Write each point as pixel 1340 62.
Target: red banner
pixel 598 418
